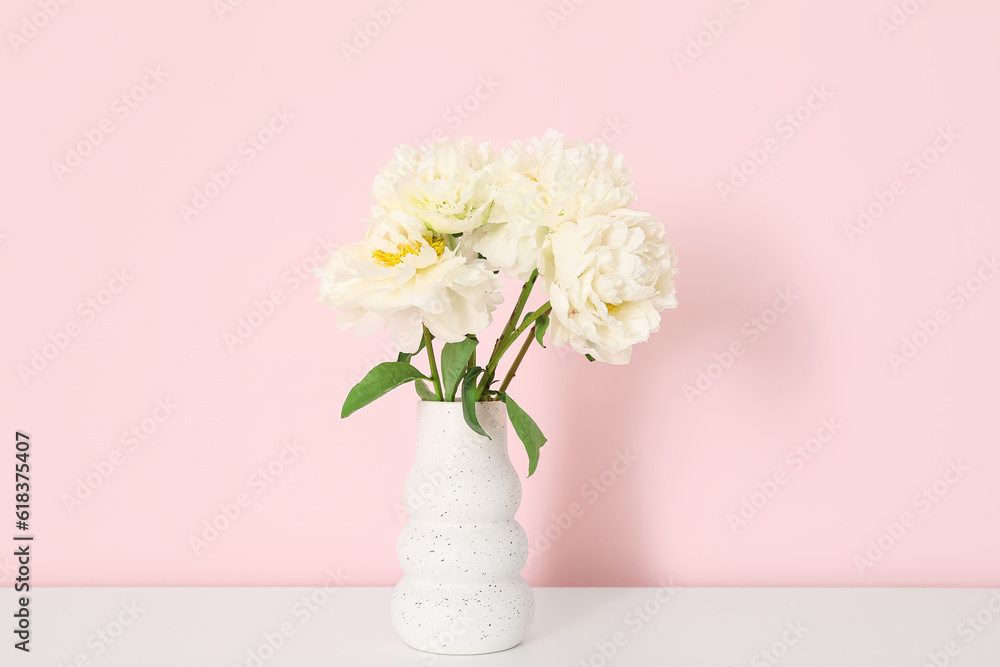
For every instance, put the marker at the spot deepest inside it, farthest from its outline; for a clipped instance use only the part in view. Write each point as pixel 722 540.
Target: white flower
pixel 544 182
pixel 403 277
pixel 449 184
pixel 608 278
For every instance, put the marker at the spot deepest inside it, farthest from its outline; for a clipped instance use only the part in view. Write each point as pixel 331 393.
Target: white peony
pixel 403 276
pixel 608 278
pixel 544 182
pixel 449 185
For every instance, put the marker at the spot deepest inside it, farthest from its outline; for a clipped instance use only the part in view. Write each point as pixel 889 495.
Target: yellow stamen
pixel 438 244
pixel 390 259
pixel 613 307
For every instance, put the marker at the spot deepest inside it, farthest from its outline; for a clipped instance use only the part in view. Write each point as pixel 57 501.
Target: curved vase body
pixel 462 552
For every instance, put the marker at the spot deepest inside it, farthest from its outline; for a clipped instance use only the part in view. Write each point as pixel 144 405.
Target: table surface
pixel 688 627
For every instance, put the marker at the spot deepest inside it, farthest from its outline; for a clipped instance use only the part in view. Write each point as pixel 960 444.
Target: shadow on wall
pixel 725 278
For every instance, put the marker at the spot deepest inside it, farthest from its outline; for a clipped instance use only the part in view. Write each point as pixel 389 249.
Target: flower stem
pixel 517 360
pixel 434 369
pixel 522 299
pixel 504 344
pixel 530 320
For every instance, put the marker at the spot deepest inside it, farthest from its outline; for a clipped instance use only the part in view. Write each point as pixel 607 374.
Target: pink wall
pixel 893 428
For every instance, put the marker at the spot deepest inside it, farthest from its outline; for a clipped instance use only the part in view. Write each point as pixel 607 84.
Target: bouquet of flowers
pixel 551 213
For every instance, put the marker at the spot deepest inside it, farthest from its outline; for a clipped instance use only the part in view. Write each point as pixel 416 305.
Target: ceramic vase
pixel 462 551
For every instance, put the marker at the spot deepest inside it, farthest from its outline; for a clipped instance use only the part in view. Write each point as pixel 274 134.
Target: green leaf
pixel 454 361
pixel 380 381
pixel 589 358
pixel 469 401
pixel 527 430
pixel 406 356
pixel 424 392
pixel 541 326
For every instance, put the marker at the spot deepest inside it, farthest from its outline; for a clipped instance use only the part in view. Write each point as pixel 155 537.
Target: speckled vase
pixel 461 551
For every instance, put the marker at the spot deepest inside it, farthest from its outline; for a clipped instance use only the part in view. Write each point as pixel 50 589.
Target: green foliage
pixel 469 401
pixel 527 430
pixel 454 362
pixel 380 381
pixel 541 326
pixel 424 392
pixel 406 356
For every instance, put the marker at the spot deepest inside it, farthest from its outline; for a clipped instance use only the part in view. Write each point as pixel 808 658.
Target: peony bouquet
pixel 551 213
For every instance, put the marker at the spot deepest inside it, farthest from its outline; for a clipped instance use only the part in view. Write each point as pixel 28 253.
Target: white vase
pixel 462 552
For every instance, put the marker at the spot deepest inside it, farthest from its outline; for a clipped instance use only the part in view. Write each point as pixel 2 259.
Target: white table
pixel 687 627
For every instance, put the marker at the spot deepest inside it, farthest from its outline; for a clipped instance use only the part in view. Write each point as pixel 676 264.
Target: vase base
pixel 462 618
pixel 446 652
